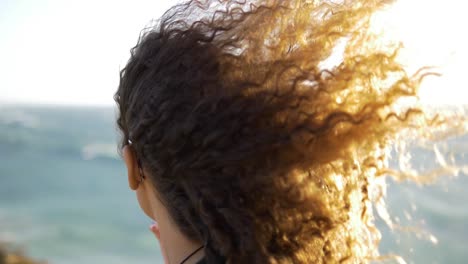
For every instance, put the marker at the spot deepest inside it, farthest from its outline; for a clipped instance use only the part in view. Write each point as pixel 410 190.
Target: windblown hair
pixel 258 148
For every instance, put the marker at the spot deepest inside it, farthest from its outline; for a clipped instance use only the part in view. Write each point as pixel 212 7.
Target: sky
pixel 69 52
pixel 66 51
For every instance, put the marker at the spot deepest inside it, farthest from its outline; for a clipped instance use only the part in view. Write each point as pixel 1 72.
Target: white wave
pixel 95 150
pixel 16 116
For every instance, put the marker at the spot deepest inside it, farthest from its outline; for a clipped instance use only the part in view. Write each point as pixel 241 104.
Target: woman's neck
pixel 178 247
pixel 175 245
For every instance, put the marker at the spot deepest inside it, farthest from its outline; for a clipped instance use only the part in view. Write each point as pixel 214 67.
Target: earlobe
pixel 132 167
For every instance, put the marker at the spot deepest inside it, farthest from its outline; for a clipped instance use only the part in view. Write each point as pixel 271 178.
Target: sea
pixel 64 196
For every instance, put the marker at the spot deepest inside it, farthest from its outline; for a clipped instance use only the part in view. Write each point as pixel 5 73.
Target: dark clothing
pixel 202 261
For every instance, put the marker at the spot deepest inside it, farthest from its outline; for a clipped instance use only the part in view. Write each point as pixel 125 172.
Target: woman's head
pixel 254 146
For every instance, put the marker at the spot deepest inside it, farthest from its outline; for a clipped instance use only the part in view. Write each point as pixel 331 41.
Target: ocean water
pixel 63 188
pixel 64 196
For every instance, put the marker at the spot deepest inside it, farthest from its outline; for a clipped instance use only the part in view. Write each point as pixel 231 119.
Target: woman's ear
pixel 133 171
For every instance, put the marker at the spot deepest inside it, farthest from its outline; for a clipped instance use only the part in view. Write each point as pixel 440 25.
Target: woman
pixel 246 145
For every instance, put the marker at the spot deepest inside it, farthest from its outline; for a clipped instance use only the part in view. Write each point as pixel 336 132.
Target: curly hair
pixel 259 149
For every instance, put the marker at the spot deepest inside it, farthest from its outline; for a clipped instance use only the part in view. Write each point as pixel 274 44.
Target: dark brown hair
pixel 258 149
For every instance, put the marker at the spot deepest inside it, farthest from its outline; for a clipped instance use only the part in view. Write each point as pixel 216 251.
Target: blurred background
pixel 63 189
